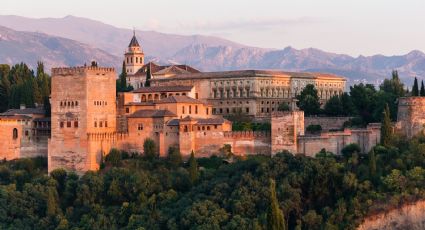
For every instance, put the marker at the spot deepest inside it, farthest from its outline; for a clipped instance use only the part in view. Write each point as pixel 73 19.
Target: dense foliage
pixel 133 192
pixel 20 85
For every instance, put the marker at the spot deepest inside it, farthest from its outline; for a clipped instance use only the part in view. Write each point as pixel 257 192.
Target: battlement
pixel 411 101
pixel 246 134
pixel 64 71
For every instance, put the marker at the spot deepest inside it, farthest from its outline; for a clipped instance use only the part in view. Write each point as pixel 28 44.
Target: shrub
pixel 314 128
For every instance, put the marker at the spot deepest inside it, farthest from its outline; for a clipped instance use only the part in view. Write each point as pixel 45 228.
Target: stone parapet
pixel 65 71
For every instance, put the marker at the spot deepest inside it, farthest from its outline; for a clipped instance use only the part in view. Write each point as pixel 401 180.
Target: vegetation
pixel 326 192
pixel 121 83
pixel 415 89
pixel 19 85
pixel 314 128
pixel 308 100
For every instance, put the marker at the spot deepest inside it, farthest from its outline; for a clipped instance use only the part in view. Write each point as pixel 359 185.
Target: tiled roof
pixel 173 122
pixel 179 99
pixel 253 73
pixel 133 42
pixel 14 117
pixel 43 119
pixel 166 69
pixel 160 89
pixel 146 113
pixel 26 111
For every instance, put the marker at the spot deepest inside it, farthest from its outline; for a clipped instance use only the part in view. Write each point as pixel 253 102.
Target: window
pixel 207 111
pixel 139 126
pixel 100 124
pixel 247 110
pixel 208 128
pixel 76 103
pixel 76 124
pixel 196 95
pixel 196 109
pixel 15 133
pixel 215 126
pixel 61 124
pixel 106 124
pixel 190 109
pixel 127 110
pixel 95 124
pixel 61 103
pixel 183 109
pixel 68 124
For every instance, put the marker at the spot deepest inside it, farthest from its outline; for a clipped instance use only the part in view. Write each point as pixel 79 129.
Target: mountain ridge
pixel 210 53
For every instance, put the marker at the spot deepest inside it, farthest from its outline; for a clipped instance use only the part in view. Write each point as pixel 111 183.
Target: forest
pixel 256 192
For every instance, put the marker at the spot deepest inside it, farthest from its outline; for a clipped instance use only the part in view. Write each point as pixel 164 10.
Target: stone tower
pixel 286 127
pixel 83 104
pixel 411 116
pixel 134 57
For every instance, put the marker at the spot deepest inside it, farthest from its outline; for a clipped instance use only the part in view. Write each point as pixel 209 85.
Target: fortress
pixel 179 106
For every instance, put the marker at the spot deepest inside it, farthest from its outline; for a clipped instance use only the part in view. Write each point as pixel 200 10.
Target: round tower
pixel 134 57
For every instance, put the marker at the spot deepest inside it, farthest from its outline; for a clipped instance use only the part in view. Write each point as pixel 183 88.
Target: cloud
pixel 244 24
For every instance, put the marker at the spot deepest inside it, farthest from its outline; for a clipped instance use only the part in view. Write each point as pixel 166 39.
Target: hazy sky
pixel 354 27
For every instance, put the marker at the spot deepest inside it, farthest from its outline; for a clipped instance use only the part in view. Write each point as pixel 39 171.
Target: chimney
pixel 22 106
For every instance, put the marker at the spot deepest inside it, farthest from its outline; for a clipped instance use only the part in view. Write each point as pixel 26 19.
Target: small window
pixel 100 124
pixel 208 128
pixel 196 95
pixel 61 124
pixel 190 109
pixel 207 111
pixel 106 124
pixel 26 132
pixel 68 124
pixel 61 103
pixel 127 110
pixel 196 109
pixel 215 126
pixel 76 124
pixel 76 103
pixel 15 133
pixel 95 124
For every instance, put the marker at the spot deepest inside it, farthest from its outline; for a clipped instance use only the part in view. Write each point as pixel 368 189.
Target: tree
pixel 422 92
pixel 308 100
pixel 275 219
pixel 334 106
pixel 174 156
pixel 386 128
pixel 350 149
pixel 283 107
pixel 149 149
pixel 114 157
pixel 372 163
pixel 148 75
pixel 415 89
pixel 193 168
pixel 363 98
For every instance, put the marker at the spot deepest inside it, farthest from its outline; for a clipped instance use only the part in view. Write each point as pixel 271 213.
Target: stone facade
pixel 411 116
pixel 327 123
pixel 83 103
pixel 257 93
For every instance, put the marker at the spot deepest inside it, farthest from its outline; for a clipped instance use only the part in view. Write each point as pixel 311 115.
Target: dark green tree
pixel 422 92
pixel 148 75
pixel 415 89
pixel 308 100
pixel 193 168
pixel 334 106
pixel 283 107
pixel 174 156
pixel 275 218
pixel 386 128
pixel 372 164
pixel 114 157
pixel 149 149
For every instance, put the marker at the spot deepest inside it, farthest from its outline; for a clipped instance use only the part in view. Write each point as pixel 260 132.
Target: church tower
pixel 134 57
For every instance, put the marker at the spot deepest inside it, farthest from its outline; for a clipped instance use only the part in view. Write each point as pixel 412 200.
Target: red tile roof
pixel 162 89
pixel 148 113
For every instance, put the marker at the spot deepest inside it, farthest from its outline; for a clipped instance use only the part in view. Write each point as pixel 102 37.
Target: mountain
pixel 30 47
pixel 209 53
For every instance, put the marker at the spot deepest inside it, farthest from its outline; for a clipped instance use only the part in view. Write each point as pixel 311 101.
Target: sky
pixel 354 27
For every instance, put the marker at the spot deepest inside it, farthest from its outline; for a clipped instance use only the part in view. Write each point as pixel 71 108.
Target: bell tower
pixel 134 57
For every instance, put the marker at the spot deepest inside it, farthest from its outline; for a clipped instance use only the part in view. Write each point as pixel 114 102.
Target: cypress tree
pixel 193 168
pixel 275 219
pixel 422 93
pixel 123 78
pixel 415 89
pixel 386 129
pixel 148 76
pixel 372 164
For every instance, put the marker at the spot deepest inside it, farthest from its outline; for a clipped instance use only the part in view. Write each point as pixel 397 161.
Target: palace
pixel 175 106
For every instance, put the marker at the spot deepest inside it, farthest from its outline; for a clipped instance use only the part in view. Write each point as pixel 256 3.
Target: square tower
pixel 83 104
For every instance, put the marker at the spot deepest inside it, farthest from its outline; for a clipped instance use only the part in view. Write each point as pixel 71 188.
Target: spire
pixel 133 41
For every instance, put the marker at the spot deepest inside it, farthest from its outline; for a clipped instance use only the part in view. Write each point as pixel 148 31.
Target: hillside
pixel 210 53
pixel 30 47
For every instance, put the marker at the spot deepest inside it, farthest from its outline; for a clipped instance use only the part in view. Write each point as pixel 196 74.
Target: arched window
pixel 100 124
pixel 76 124
pixel 15 133
pixel 76 103
pixel 106 124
